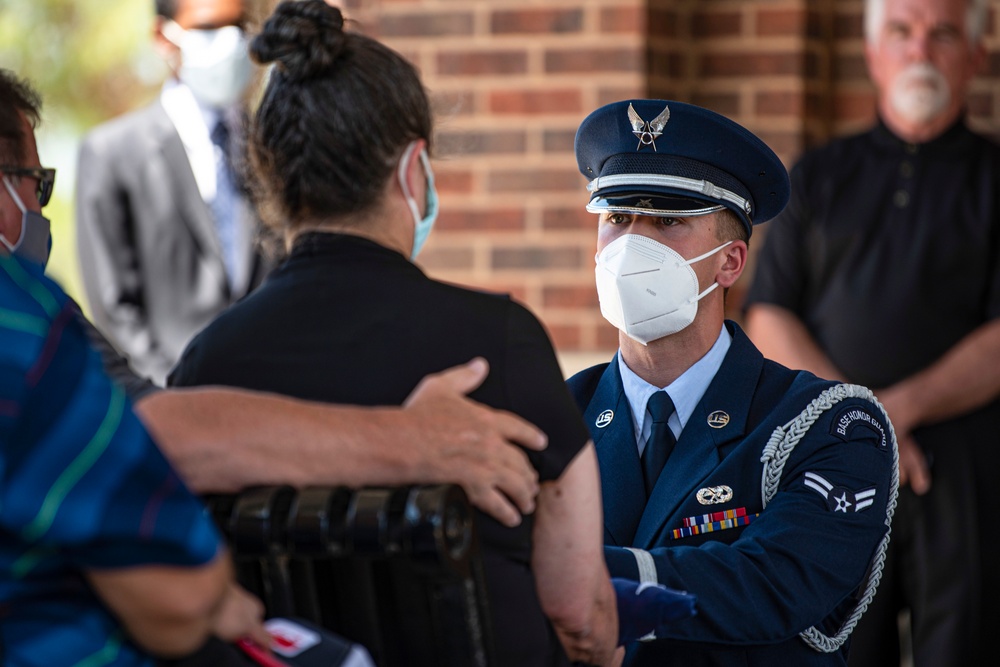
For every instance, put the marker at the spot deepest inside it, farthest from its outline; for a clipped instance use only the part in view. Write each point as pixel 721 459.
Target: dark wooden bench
pixel 397 570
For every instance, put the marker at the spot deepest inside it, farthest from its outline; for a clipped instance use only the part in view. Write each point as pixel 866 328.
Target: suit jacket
pixel 761 575
pixel 150 255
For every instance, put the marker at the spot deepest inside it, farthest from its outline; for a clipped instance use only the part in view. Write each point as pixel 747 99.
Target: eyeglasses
pixel 46 180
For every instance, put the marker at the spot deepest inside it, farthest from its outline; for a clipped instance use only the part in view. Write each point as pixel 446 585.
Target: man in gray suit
pixel 166 234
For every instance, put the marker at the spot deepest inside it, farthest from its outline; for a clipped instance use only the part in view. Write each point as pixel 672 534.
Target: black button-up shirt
pixel 888 251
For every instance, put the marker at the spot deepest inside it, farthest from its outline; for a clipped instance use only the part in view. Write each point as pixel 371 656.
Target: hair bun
pixel 303 37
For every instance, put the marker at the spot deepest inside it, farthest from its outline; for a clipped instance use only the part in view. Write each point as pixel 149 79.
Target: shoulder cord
pixel 774 456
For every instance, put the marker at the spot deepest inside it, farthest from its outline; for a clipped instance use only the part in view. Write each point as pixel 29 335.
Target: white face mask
pixel 646 289
pixel 214 63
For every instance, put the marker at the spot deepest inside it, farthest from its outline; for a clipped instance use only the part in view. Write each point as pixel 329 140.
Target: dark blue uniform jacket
pixel 761 576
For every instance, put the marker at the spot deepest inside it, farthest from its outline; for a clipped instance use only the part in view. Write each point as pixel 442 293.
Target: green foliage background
pixel 91 60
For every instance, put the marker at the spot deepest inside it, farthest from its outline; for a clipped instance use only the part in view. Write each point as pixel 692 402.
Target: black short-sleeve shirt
pixel 889 252
pixel 345 320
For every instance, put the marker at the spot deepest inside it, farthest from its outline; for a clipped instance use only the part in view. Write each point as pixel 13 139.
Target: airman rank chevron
pixel 710 523
pixel 839 498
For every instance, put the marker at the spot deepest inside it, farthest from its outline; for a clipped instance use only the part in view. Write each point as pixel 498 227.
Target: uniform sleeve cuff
pixel 631 563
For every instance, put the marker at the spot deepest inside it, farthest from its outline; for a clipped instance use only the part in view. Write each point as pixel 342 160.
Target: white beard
pixel 920 93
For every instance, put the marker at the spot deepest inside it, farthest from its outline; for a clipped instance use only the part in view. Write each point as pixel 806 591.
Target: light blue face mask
pixel 422 225
pixel 35 240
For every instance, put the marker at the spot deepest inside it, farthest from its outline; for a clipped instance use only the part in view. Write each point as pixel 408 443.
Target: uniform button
pixel 906 169
pixel 911 149
pixel 901 198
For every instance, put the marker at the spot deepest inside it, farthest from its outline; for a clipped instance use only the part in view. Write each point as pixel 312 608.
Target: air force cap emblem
pixel 648 132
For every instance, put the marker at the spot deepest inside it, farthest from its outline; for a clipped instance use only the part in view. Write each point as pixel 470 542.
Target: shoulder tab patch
pixel 852 417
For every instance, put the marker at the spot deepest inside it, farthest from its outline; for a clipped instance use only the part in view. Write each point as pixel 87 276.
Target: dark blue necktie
pixel 661 439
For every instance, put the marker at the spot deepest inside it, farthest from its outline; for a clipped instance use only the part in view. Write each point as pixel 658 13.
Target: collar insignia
pixel 604 418
pixel 715 495
pixel 718 419
pixel 647 133
pixel 839 498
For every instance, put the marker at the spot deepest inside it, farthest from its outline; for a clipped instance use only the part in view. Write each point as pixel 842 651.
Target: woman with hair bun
pixel 339 148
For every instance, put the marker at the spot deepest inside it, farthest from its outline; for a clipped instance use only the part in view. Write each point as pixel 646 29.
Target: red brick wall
pixel 512 79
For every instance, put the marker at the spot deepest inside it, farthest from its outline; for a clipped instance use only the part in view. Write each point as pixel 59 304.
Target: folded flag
pixel 645 608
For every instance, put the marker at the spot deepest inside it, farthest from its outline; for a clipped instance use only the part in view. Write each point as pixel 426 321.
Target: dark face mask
pixel 35 240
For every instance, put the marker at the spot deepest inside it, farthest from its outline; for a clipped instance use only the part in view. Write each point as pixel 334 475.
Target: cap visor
pixel 652 204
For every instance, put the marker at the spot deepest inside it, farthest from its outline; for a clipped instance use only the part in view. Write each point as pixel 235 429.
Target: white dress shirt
pixel 686 391
pixel 194 124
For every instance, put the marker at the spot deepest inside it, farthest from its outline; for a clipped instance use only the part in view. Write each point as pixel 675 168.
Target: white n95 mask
pixel 214 63
pixel 646 289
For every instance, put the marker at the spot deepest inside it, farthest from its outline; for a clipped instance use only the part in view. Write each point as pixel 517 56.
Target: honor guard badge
pixel 648 132
pixel 839 498
pixel 715 495
pixel 718 419
pixel 604 418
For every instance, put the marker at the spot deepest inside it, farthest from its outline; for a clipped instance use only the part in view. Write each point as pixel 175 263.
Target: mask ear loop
pixel 401 176
pixel 20 205
pixel 707 254
pixel 711 287
pixel 173 32
pixel 425 162
pixel 13 195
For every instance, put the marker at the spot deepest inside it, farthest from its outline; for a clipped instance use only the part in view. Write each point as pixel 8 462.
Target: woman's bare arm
pixel 568 562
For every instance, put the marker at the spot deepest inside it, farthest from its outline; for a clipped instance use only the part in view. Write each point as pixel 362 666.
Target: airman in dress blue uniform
pixel 766 492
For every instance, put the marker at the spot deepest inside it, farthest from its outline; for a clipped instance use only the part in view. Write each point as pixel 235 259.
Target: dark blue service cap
pixel 665 158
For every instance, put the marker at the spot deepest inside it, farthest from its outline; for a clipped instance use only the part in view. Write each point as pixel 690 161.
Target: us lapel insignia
pixel 715 495
pixel 718 419
pixel 604 418
pixel 840 498
pixel 647 133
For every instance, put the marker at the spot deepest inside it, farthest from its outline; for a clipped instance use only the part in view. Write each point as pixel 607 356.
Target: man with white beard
pixel 884 270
